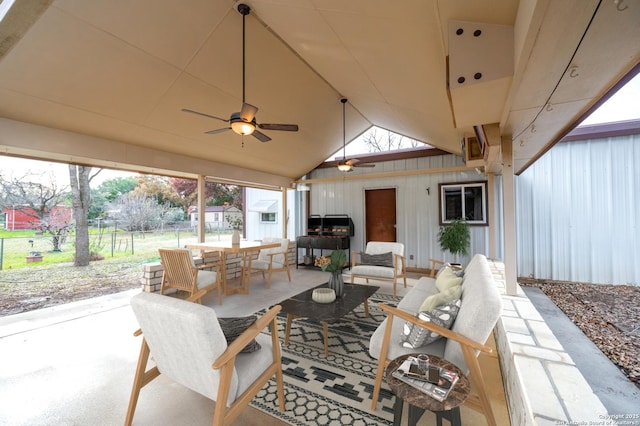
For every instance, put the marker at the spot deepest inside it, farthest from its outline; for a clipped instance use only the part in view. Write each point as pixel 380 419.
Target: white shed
pixel 216 217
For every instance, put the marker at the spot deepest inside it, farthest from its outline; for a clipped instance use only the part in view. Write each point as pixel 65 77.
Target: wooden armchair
pixel 180 273
pixel 479 399
pixel 269 260
pixel 380 261
pixel 436 262
pixel 188 346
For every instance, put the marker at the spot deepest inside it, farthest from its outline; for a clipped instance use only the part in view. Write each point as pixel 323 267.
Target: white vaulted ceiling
pixel 102 82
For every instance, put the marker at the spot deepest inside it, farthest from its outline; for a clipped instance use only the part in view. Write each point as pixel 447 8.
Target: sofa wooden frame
pixel 479 399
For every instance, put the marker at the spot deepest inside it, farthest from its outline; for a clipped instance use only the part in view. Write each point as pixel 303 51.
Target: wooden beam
pixel 386 174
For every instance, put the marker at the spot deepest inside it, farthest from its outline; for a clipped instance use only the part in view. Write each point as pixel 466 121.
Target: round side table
pixel 419 401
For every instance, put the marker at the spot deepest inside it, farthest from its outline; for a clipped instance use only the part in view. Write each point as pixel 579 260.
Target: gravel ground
pixel 608 314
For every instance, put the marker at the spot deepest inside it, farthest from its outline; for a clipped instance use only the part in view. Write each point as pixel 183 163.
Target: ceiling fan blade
pixel 203 114
pixel 354 162
pixel 248 112
pixel 284 127
pixel 260 136
pixel 213 132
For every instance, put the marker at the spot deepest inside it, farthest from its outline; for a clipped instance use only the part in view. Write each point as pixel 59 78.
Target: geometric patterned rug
pixel 335 390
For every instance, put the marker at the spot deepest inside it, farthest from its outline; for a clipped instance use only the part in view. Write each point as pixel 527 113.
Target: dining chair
pixel 269 260
pixel 181 273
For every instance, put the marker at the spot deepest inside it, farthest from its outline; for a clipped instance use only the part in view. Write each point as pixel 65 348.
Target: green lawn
pixel 15 246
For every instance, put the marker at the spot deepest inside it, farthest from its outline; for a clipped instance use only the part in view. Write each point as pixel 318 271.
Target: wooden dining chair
pixel 181 273
pixel 269 260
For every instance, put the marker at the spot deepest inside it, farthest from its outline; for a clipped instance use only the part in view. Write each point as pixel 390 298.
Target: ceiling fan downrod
pixel 344 167
pixel 244 11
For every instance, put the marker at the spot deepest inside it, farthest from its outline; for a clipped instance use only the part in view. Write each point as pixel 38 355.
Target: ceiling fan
pixel 347 165
pixel 244 121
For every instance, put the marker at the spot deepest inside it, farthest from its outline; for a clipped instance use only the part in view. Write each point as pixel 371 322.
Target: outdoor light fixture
pixel 242 127
pixel 344 167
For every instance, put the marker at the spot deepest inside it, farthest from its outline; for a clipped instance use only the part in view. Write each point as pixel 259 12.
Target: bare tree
pixel 380 140
pixel 40 202
pixel 80 178
pixel 137 212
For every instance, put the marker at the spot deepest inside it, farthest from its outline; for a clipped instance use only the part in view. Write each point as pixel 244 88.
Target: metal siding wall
pixel 577 213
pixel 417 210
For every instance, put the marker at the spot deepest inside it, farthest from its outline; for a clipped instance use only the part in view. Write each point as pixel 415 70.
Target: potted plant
pixel 455 238
pixel 334 264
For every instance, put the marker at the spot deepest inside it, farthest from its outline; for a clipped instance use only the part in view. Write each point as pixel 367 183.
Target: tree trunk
pixel 79 179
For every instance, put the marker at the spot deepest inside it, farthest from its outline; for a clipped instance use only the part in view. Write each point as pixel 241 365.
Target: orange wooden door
pixel 380 214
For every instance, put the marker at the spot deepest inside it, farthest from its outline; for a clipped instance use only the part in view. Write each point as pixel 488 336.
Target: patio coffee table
pixel 302 306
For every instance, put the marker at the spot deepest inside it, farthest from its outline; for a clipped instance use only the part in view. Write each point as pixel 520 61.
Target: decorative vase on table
pixel 336 283
pixel 235 237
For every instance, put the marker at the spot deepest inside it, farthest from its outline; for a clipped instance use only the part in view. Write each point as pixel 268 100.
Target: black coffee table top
pixel 302 305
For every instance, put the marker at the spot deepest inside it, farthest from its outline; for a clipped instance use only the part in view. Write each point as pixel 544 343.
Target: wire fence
pixel 38 248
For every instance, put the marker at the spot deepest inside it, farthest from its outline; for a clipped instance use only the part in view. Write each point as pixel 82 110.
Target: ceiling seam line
pixel 573 55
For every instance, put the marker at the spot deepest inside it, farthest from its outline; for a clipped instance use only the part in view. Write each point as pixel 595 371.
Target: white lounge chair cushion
pixel 179 330
pixel 205 278
pixel 372 271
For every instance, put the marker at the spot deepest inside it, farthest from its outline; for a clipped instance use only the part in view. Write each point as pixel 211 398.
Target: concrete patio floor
pixel 73 365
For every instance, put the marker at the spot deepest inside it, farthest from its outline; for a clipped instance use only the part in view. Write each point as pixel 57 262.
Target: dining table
pixel 226 247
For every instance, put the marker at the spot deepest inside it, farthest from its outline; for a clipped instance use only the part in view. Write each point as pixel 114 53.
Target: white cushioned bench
pixel 480 308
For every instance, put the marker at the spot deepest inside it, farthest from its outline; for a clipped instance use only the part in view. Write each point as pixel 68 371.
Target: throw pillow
pixel 456 270
pixel 447 279
pixel 383 259
pixel 414 336
pixel 234 327
pixel 442 298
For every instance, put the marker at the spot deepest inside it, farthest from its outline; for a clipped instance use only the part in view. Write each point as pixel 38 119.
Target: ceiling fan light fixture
pixel 344 167
pixel 242 127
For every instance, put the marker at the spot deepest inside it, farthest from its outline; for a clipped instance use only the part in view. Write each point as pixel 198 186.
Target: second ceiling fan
pixel 244 122
pixel 348 165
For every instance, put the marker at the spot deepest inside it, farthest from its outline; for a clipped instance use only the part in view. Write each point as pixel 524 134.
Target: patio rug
pixel 335 390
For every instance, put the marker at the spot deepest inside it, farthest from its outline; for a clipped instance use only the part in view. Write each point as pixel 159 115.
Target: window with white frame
pixel 466 200
pixel 268 217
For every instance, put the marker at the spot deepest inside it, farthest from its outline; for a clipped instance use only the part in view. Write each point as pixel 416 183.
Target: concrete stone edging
pixel 542 384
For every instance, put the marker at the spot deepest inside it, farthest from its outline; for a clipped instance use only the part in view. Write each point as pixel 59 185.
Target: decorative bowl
pixel 323 295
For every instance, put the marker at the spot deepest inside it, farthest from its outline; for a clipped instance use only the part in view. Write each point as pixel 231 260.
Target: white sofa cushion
pixel 480 307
